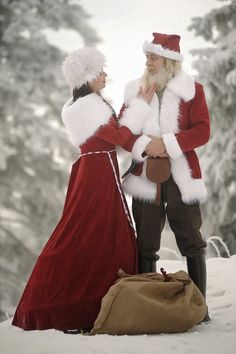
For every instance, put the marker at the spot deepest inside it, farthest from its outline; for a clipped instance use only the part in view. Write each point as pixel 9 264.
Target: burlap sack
pixel 146 303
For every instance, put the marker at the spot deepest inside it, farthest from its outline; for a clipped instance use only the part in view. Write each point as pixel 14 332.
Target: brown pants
pixel 185 222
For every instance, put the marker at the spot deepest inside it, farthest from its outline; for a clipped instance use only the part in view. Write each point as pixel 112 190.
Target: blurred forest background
pixel 35 156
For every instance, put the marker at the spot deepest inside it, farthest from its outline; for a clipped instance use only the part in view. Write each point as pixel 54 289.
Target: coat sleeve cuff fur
pixel 139 147
pixel 134 115
pixel 172 146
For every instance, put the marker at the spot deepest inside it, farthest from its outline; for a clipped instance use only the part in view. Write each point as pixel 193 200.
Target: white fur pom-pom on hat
pixel 82 65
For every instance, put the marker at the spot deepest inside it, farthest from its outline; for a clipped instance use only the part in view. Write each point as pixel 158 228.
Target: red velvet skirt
pixel 79 263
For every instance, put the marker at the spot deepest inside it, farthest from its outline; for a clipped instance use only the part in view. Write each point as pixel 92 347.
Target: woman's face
pixel 99 83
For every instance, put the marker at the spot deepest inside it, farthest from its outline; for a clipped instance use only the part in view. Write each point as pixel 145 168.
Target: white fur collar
pixel 182 85
pixel 84 117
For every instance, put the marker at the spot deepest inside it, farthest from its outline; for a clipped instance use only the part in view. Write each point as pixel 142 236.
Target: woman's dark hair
pixel 84 90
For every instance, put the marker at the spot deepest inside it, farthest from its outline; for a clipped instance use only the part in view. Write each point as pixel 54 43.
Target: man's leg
pixel 185 221
pixel 149 220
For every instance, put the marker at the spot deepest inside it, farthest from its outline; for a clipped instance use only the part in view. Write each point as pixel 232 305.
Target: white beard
pixel 161 79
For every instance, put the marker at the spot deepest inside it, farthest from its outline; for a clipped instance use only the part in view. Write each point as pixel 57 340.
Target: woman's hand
pixel 147 94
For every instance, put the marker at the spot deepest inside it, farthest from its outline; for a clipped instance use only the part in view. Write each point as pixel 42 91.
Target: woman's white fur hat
pixel 82 66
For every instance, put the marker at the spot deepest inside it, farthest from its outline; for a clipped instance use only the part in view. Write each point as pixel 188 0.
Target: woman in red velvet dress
pixel 95 236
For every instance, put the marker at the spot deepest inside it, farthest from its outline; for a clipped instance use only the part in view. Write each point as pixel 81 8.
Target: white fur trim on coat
pixel 139 147
pixel 183 85
pixel 84 117
pixel 172 146
pixel 192 189
pixel 164 122
pixel 163 52
pixel 139 187
pixel 131 90
pixel 135 114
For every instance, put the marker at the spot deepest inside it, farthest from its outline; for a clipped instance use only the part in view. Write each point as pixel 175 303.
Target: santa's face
pixel 99 83
pixel 154 63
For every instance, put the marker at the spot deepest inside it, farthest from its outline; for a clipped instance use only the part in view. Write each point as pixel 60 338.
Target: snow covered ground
pixel 216 337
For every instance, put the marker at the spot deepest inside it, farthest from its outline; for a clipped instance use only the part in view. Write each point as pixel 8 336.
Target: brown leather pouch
pixel 158 171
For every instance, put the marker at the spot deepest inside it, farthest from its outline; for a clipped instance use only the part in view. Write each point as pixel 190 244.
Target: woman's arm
pixel 122 136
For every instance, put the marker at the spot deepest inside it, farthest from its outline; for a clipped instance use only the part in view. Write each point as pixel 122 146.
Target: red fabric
pixel 167 41
pixel 92 240
pixel 119 136
pixel 194 125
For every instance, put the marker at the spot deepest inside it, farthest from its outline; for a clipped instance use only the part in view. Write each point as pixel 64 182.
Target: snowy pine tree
pixel 217 69
pixel 35 153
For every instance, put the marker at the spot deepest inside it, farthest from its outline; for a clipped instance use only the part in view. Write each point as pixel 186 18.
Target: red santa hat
pixel 165 45
pixel 82 66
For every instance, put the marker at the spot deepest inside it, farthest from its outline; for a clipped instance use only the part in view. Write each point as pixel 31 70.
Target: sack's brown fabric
pixel 147 304
pixel 158 171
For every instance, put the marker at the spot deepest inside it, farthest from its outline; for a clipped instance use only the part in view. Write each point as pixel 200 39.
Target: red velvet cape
pixel 92 240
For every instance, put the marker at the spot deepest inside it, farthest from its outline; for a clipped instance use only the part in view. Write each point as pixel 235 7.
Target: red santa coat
pixel 94 237
pixel 182 120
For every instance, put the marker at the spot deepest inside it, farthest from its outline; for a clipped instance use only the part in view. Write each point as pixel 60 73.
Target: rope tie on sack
pixel 167 277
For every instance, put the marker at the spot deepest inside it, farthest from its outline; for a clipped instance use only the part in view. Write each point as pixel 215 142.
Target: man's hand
pixel 156 147
pixel 164 155
pixel 147 93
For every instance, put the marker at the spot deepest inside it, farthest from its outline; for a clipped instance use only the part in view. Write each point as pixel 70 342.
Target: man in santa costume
pixel 178 118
